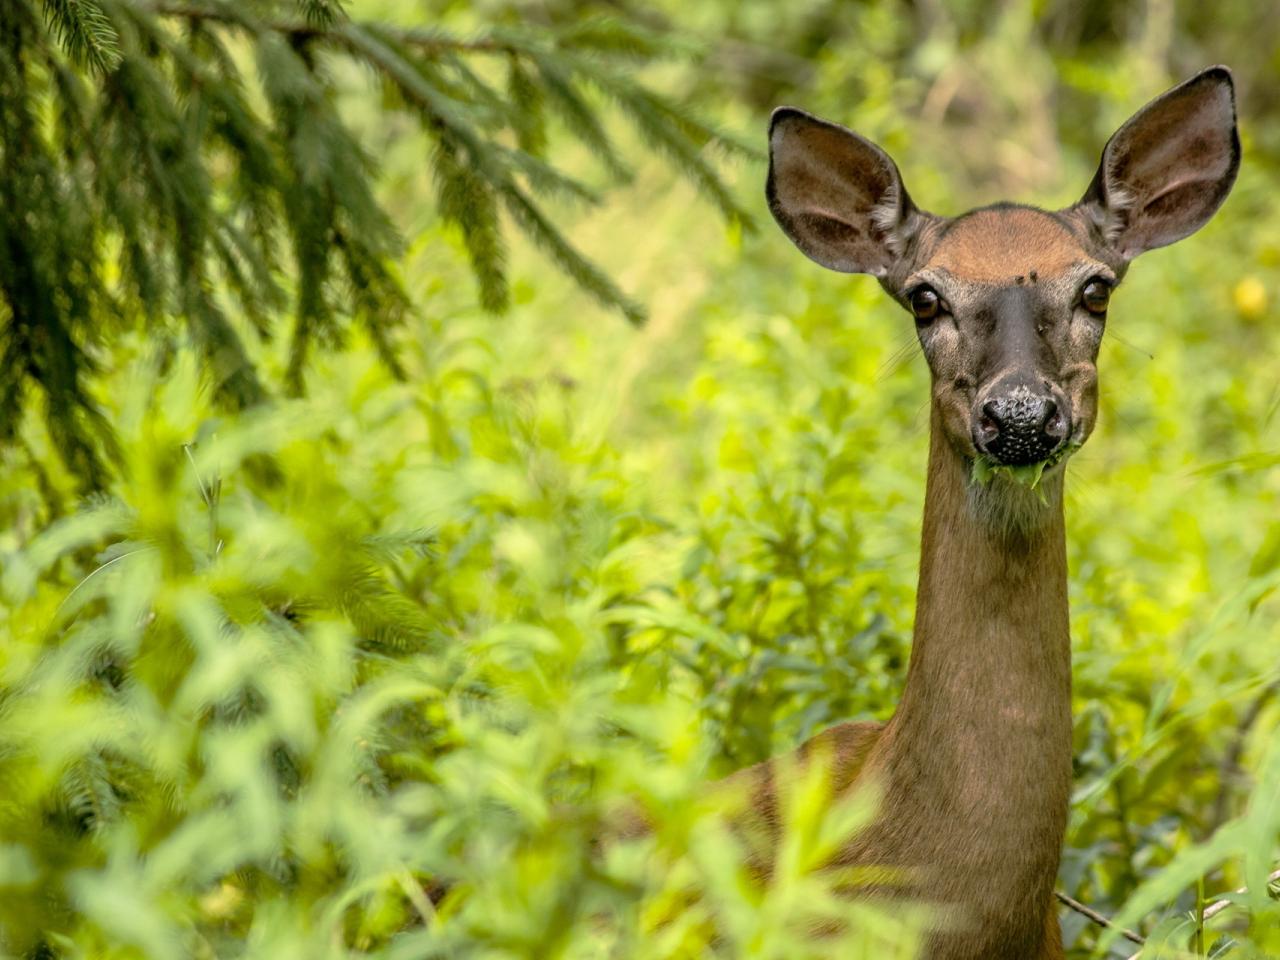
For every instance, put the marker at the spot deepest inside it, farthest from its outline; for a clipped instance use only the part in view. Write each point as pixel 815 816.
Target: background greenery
pixel 357 661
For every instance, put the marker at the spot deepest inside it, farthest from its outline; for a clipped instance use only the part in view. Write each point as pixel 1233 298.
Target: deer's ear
pixel 1168 169
pixel 836 195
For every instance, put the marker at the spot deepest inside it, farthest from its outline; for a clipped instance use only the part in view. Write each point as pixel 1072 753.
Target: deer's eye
pixel 1095 296
pixel 925 303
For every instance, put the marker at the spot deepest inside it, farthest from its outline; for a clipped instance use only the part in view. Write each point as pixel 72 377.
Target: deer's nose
pixel 1020 424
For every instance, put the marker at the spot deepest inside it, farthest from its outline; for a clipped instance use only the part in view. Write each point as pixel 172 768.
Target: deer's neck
pixel 978 756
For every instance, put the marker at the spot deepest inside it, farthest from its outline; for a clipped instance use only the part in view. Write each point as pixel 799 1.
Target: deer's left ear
pixel 837 195
pixel 1168 169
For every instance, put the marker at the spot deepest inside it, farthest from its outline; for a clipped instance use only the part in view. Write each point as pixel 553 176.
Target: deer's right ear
pixel 837 195
pixel 1168 169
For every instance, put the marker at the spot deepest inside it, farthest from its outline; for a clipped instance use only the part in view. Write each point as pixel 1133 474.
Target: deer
pixel 1010 303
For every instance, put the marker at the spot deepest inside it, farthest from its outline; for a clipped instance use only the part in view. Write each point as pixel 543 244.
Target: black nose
pixel 1020 426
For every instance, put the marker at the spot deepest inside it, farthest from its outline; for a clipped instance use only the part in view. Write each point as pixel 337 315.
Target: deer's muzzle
pixel 1019 422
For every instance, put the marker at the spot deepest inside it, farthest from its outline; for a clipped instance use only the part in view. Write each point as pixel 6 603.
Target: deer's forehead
pixel 1007 245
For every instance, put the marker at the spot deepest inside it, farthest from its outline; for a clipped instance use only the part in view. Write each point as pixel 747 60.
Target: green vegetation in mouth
pixel 1027 474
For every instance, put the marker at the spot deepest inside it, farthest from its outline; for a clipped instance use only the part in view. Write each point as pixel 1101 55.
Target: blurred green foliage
pixel 365 673
pixel 159 160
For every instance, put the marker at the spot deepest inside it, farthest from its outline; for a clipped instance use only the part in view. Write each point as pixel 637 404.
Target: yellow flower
pixel 1250 298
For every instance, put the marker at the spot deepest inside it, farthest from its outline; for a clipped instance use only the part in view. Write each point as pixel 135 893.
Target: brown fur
pixel 998 245
pixel 843 749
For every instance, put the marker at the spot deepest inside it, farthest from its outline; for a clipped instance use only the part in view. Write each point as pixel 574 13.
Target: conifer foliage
pixel 185 166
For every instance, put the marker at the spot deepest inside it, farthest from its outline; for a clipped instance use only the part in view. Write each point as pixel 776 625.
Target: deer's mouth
pixel 984 469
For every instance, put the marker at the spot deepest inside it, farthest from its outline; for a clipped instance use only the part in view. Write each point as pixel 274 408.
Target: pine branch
pixel 445 116
pixel 530 107
pixel 46 285
pixel 466 201
pixel 322 13
pixel 580 119
pixel 590 277
pixel 616 37
pixel 162 189
pixel 426 41
pixel 377 298
pixel 85 32
pixel 668 128
pixel 671 131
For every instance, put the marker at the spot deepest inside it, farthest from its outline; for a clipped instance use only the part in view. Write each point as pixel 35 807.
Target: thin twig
pixel 428 41
pixel 1221 905
pixel 1217 908
pixel 1095 916
pixel 91 574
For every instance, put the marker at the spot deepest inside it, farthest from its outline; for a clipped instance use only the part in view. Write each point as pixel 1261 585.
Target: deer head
pixel 1010 301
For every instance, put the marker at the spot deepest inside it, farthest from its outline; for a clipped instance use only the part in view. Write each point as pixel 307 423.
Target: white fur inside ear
pixel 1114 217
pixel 1169 167
pixel 886 217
